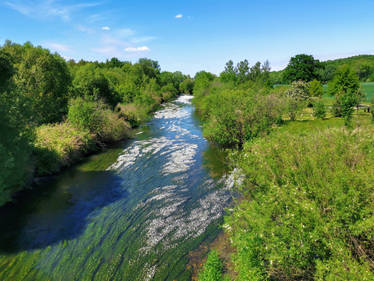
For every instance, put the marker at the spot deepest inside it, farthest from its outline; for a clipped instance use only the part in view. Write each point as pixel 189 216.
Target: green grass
pixel 367 87
pixel 368 90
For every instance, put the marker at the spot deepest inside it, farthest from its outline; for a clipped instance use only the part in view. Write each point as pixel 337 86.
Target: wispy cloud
pixel 124 32
pixel 137 49
pixel 47 8
pixel 137 40
pixel 179 16
pixel 57 47
pixel 105 28
pixel 85 29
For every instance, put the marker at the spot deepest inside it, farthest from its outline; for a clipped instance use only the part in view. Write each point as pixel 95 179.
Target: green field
pixel 367 87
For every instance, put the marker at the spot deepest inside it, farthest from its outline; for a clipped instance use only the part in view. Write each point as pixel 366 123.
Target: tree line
pixel 305 210
pixel 53 111
pixel 306 67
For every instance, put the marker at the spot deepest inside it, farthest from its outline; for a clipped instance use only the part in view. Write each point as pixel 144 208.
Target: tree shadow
pixel 56 210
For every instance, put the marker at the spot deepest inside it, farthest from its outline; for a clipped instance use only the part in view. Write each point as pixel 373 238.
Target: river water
pixel 133 212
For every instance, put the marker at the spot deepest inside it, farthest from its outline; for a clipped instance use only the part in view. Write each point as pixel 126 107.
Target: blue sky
pixel 192 35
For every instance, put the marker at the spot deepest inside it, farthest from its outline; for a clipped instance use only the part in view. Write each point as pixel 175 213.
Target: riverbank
pixel 129 213
pixel 59 146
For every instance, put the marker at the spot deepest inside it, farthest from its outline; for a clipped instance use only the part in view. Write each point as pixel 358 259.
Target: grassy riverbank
pixel 306 195
pixel 55 112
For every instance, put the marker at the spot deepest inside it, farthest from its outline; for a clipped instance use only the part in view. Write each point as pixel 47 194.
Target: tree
pixel 301 67
pixel 187 86
pixel 364 72
pixel 43 78
pixel 319 110
pixel 315 89
pixel 346 88
pixel 298 95
pixel 347 101
pixel 90 83
pixel 15 151
pixel 242 70
pixel 344 81
pixel 229 74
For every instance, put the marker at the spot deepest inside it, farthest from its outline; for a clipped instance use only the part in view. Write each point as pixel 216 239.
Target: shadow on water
pixel 57 210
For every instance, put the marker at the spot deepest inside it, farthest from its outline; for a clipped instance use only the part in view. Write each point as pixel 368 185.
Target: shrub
pixel 307 207
pixel 319 110
pixel 85 115
pixel 237 116
pixel 315 89
pixel 298 95
pixel 99 120
pixel 59 145
pixel 213 268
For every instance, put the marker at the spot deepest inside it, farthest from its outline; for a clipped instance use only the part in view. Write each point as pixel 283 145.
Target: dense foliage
pixel 52 112
pixel 305 211
pixel 213 268
pixel 308 210
pixel 238 105
pixel 362 65
pixel 301 67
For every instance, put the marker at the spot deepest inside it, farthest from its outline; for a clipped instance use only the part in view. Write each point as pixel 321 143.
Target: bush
pixel 85 115
pixel 59 145
pixel 298 96
pixel 213 268
pixel 237 116
pixel 96 118
pixel 307 207
pixel 132 113
pixel 319 110
pixel 315 89
pixel 15 151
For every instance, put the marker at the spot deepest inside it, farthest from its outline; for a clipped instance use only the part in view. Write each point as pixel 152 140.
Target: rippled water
pixel 131 213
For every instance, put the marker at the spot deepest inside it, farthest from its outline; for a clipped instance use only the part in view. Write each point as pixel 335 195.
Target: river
pixel 133 212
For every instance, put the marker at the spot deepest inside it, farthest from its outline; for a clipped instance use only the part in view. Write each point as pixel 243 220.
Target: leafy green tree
pixel 346 88
pixel 319 110
pixel 315 89
pixel 90 83
pixel 187 86
pixel 364 72
pixel 43 78
pixel 347 102
pixel 298 96
pixel 229 74
pixel 236 116
pixel 84 115
pixel 301 67
pixel 345 80
pixel 326 72
pixel 202 82
pixel 242 70
pixel 15 150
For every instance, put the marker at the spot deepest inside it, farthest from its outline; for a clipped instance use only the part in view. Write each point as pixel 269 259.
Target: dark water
pixel 131 213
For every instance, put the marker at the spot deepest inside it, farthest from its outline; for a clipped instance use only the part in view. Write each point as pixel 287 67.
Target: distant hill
pixel 363 65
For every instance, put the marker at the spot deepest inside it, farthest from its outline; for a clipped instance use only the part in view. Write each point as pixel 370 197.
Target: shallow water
pixel 133 212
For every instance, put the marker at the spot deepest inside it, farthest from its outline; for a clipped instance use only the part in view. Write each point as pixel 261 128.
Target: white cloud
pixel 137 49
pixel 47 8
pixel 179 16
pixel 106 28
pixel 58 47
